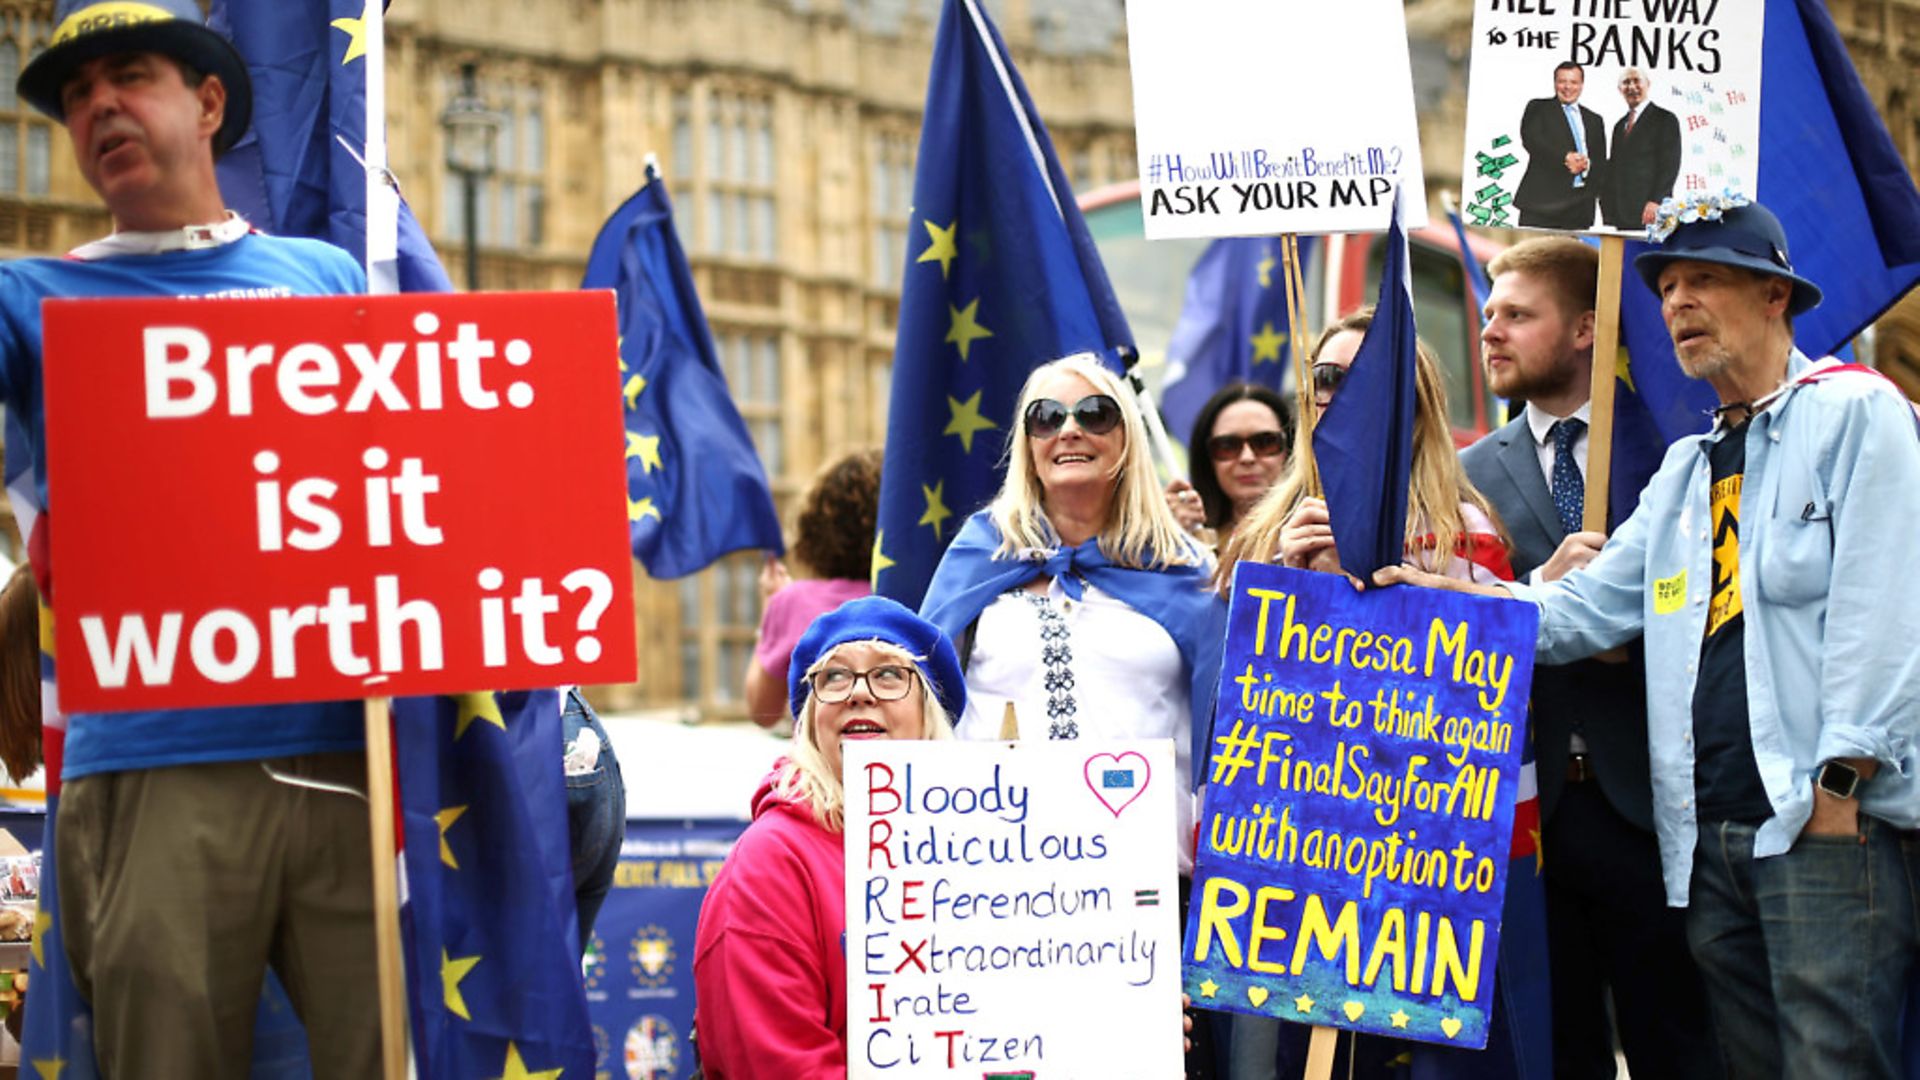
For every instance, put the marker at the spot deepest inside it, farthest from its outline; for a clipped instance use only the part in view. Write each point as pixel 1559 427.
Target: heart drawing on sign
pixel 1117 779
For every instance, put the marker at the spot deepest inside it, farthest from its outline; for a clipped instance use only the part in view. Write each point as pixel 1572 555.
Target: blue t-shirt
pixel 252 266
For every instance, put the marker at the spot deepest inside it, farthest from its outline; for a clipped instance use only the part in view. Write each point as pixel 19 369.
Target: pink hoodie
pixel 769 958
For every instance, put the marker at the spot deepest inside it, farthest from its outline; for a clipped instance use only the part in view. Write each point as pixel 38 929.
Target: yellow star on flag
pixel 42 926
pixel 1399 1018
pixel 967 421
pixel 1208 988
pixel 642 508
pixel 1303 1003
pixel 356 31
pixel 964 328
pixel 633 388
pixel 445 820
pixel 49 1068
pixel 942 250
pixel 620 351
pixel 1266 269
pixel 937 511
pixel 451 972
pixel 1266 344
pixel 1623 369
pixel 479 706
pixel 46 631
pixel 880 560
pixel 646 448
pixel 517 1069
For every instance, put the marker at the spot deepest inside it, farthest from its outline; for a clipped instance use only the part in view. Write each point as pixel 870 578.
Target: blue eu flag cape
pixel 695 488
pixel 1001 276
pixel 492 946
pixel 297 170
pixel 1831 173
pixel 1363 441
pixel 1233 327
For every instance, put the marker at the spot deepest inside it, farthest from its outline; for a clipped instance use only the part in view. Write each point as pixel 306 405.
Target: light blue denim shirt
pixel 1829 505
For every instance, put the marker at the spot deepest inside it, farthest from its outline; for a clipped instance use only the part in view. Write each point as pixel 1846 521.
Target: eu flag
pixel 695 488
pixel 297 171
pixel 1363 441
pixel 1831 173
pixel 1233 327
pixel 1477 282
pixel 494 985
pixel 1001 276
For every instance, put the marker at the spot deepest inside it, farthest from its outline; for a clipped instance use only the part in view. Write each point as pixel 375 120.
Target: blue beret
pixel 876 618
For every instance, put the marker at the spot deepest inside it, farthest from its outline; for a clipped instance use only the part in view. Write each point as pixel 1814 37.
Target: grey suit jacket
pixel 1606 701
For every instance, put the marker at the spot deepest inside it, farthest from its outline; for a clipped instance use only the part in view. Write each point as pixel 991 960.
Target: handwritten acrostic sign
pixel 1011 910
pixel 1553 147
pixel 1359 805
pixel 268 500
pixel 1254 118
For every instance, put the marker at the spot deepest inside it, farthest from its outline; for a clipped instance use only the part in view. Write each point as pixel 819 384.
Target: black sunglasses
pixel 1096 414
pixel 1228 447
pixel 1328 377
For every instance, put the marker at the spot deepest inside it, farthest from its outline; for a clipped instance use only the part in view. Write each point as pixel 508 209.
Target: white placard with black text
pixel 1012 909
pixel 1255 118
pixel 1695 129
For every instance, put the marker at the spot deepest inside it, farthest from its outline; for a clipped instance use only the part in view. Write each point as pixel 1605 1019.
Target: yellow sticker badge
pixel 1670 594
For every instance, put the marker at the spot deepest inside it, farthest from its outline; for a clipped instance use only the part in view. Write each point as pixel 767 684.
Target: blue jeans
pixel 596 815
pixel 1805 955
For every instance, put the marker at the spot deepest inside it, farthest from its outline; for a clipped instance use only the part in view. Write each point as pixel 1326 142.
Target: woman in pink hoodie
pixel 769 959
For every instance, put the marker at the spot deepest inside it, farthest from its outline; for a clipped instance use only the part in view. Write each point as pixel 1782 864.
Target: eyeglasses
pixel 1327 379
pixel 888 682
pixel 1228 447
pixel 1096 414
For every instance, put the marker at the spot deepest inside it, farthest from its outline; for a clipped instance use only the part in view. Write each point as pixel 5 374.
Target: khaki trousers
pixel 179 885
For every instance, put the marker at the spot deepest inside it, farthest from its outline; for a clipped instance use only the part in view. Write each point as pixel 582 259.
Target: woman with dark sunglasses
pixel 1451 528
pixel 1237 453
pixel 1077 601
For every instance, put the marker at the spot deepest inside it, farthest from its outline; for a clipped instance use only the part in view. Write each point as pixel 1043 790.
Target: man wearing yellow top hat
pixel 192 848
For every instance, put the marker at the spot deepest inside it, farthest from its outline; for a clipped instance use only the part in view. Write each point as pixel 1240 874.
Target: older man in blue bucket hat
pixel 191 847
pixel 1769 567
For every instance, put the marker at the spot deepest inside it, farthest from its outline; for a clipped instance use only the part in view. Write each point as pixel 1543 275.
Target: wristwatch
pixel 1838 779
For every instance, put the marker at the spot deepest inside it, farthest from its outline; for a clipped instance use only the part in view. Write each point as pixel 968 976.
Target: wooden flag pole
pixel 1302 370
pixel 386 891
pixel 1606 350
pixel 1320 1047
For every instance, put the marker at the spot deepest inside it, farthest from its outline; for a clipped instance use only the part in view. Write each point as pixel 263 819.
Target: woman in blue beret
pixel 769 961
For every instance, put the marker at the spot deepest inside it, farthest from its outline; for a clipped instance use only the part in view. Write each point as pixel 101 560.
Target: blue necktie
pixel 1572 114
pixel 1569 490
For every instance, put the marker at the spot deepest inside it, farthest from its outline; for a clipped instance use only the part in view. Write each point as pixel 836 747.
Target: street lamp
pixel 470 128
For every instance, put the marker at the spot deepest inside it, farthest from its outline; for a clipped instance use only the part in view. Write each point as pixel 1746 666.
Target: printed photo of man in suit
pixel 1608 924
pixel 1645 160
pixel 1566 145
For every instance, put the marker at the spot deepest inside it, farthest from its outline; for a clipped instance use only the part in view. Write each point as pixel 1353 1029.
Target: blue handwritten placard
pixel 1359 805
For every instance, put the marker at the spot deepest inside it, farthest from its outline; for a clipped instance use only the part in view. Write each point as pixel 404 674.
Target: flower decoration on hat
pixel 1675 212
